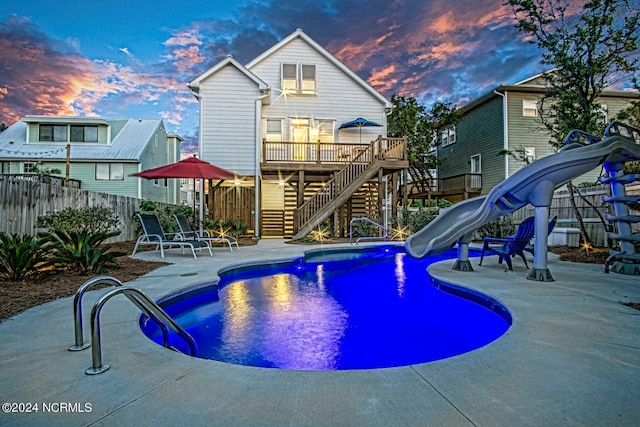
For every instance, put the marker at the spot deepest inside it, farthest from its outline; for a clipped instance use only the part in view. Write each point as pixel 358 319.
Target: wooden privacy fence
pixel 22 202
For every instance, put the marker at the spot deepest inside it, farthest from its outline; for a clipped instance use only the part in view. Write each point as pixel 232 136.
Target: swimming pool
pixel 364 308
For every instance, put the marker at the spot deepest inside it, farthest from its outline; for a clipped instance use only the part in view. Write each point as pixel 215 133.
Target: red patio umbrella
pixel 190 167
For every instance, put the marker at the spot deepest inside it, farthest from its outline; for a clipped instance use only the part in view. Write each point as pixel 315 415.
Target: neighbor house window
pixel 529 154
pixel 529 108
pixel 56 133
pixel 5 167
pixel 84 133
pixel 476 164
pixel 448 136
pixel 604 110
pixel 109 171
pixel 274 130
pixel 30 167
pixel 299 78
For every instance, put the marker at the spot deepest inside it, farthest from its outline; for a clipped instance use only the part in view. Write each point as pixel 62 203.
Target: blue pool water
pixel 363 309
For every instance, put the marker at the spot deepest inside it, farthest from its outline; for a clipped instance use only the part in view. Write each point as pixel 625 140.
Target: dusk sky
pixel 116 58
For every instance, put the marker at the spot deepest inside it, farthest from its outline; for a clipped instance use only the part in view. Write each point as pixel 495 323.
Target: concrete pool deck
pixel 572 357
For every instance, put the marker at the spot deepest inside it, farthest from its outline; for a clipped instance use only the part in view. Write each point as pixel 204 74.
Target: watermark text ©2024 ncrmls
pixel 52 407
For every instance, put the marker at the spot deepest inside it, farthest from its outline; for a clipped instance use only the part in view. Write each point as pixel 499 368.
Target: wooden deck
pixel 324 158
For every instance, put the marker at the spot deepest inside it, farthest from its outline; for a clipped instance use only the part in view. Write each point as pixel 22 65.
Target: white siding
pixel 339 97
pixel 228 120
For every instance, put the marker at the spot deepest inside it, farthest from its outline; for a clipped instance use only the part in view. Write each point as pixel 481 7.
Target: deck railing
pixel 329 152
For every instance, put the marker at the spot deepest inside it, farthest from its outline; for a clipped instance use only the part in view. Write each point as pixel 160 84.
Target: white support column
pixel 540 271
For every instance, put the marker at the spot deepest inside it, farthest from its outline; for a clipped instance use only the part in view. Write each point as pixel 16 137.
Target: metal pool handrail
pixel 386 232
pixel 147 306
pixel 77 307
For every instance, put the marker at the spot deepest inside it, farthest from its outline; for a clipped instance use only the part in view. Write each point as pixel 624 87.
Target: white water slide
pixel 535 184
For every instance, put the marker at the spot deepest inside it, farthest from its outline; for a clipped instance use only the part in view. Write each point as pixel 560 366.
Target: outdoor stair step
pixel 624 199
pixel 625 256
pixel 626 238
pixel 624 179
pixel 623 218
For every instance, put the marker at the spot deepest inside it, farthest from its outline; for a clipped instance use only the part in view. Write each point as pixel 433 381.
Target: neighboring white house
pixel 276 122
pixel 102 153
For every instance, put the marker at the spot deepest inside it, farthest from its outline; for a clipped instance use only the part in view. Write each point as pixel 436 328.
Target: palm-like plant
pixel 21 257
pixel 81 250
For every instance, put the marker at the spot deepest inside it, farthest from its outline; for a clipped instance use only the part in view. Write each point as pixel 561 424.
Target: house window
pixel 299 79
pixel 308 79
pixel 5 167
pixel 289 78
pixel 56 133
pixel 274 131
pixel 529 154
pixel 529 108
pixel 84 133
pixel 30 167
pixel 448 136
pixel 476 165
pixel 109 171
pixel 326 130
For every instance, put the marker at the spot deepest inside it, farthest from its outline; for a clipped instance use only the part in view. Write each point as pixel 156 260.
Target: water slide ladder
pixel 626 260
pixel 141 300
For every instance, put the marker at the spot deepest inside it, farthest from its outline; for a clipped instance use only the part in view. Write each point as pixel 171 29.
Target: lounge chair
pixel 188 233
pixel 154 235
pixel 552 225
pixel 511 245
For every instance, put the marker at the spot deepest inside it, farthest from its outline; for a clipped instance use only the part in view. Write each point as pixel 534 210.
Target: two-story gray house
pixel 505 119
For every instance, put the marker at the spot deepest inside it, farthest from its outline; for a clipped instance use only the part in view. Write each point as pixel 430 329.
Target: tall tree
pixel 421 127
pixel 588 51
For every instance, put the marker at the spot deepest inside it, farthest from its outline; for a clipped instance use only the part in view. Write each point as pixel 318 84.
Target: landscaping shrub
pixel 498 228
pixel 90 220
pixel 81 250
pixel 21 257
pixel 217 227
pixel 165 215
pixel 363 229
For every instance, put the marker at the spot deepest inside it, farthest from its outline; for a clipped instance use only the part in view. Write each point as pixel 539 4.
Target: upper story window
pixel 76 133
pixel 299 79
pixel 476 164
pixel 56 133
pixel 529 108
pixel 84 133
pixel 448 136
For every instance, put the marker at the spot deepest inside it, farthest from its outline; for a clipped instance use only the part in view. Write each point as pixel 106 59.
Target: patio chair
pixel 188 233
pixel 510 246
pixel 154 235
pixel 552 224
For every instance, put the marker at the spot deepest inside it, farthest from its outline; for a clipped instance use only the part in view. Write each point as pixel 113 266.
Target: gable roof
pixel 299 34
pixel 229 60
pixel 129 138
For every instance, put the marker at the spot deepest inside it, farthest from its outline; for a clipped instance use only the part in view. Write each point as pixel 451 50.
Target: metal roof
pixel 129 138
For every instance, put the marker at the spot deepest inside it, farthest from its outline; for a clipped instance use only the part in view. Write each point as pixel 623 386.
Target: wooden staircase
pixel 345 183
